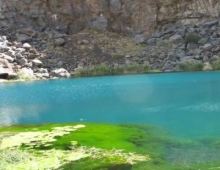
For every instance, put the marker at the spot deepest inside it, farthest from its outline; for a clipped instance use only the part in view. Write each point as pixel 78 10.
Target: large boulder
pixel 100 23
pixel 4 63
pixel 140 39
pixel 6 73
pixel 61 73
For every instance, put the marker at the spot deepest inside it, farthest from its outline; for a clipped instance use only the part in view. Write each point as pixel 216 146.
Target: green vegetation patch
pixel 191 66
pixel 100 146
pixel 216 64
pixel 103 69
pixel 192 38
pixel 56 146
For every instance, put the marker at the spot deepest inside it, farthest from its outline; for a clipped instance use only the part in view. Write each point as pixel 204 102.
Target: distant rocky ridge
pixel 124 16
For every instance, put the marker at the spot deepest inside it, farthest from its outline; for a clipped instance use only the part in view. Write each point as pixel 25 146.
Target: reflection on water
pixel 14 115
pixel 204 107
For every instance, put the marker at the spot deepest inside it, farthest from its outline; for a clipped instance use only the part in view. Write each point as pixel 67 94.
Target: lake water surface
pixel 185 104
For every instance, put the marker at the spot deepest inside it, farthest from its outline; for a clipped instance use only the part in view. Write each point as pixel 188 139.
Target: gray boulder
pixel 100 23
pixel 140 38
pixel 23 37
pixel 207 47
pixel 176 38
pixel 26 46
pixel 209 24
pixel 60 41
pixel 115 6
pixel 22 61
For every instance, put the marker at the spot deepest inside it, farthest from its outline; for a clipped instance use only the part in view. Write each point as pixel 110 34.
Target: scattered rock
pixel 23 37
pixel 207 47
pixel 37 62
pixel 60 42
pixel 176 38
pixel 61 73
pixel 100 23
pixel 26 46
pixel 7 57
pixel 22 61
pixel 139 39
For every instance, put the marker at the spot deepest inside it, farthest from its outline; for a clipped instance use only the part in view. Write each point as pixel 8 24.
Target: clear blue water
pixel 185 104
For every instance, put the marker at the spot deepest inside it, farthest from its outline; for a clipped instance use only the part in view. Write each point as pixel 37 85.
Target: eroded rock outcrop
pixel 125 16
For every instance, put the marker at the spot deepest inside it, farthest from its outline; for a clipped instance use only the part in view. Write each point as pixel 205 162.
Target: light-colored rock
pixel 23 37
pixel 176 38
pixel 26 46
pixel 207 47
pixel 100 23
pixel 7 57
pixel 207 66
pixel 42 70
pixel 139 39
pixel 37 62
pixel 61 73
pixel 210 24
pixel 5 63
pixel 59 41
pixel 192 46
pixel 3 81
pixel 187 58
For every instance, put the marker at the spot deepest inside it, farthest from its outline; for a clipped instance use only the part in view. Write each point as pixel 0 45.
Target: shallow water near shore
pixel 185 105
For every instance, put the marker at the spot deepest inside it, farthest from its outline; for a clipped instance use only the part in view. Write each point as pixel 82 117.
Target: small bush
pixel 117 56
pixel 164 43
pixel 192 38
pixel 103 69
pixel 191 66
pixel 216 64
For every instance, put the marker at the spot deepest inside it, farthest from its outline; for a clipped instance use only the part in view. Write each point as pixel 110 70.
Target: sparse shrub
pixel 191 66
pixel 192 38
pixel 103 69
pixel 164 43
pixel 117 56
pixel 100 70
pixel 216 64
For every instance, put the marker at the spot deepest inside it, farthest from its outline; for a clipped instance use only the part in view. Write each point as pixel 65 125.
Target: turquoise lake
pixel 185 104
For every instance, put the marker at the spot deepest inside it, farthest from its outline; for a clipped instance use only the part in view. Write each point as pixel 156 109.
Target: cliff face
pixel 126 16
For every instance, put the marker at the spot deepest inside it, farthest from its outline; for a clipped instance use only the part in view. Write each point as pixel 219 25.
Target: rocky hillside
pixel 54 37
pixel 124 16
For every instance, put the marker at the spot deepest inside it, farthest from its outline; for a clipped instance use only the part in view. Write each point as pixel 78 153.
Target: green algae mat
pixel 91 146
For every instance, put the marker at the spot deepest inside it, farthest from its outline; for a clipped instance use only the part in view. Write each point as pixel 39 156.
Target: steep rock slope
pixel 126 16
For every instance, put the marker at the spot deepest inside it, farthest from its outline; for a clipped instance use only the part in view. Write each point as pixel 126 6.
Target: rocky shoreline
pixel 22 61
pixel 44 54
